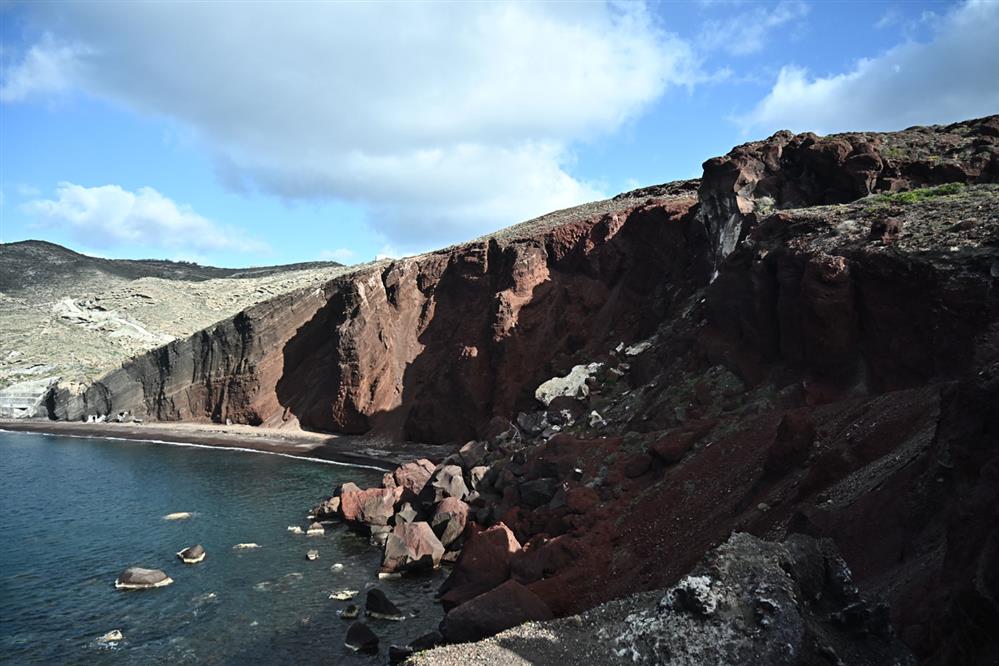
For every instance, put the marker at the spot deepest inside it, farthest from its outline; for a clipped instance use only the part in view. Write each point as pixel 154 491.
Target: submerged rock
pixel 294 529
pixel 360 638
pixel 180 515
pixel 316 529
pixel 246 546
pixel 350 612
pixel 192 554
pixel 343 595
pixel 377 605
pixel 312 555
pixel 113 636
pixel 137 578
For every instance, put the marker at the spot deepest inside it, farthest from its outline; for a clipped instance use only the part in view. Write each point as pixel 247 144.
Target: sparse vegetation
pixel 921 194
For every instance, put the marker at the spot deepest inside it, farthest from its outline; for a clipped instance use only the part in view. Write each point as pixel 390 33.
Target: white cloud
pixel 950 78
pixel 748 32
pixel 109 215
pixel 443 120
pixel 46 68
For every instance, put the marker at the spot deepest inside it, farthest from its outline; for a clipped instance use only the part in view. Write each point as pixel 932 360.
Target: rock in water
pixel 350 612
pixel 192 554
pixel 112 636
pixel 312 555
pixel 399 653
pixel 294 529
pixel 377 605
pixel 360 638
pixel 180 515
pixel 246 546
pixel 137 578
pixel 343 595
pixel 315 529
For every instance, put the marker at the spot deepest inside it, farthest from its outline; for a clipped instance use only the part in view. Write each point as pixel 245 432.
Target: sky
pixel 262 133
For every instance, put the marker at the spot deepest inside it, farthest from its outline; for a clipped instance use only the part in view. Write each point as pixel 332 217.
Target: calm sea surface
pixel 75 512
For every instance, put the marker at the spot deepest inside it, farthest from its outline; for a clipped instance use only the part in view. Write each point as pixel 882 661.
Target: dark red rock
pixel 412 547
pixel 483 564
pixel 449 520
pixel 506 606
pixel 414 475
pixel 374 506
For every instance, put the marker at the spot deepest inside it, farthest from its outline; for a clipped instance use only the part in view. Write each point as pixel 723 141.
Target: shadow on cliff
pixel 494 321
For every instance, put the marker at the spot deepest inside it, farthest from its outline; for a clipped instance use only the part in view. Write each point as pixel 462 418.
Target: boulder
pixel 380 534
pixel 179 515
pixel 476 474
pixel 343 595
pixel 329 508
pixel 447 481
pixel 350 612
pixel 537 492
pixel 112 636
pixel 483 564
pixel 295 529
pixel 412 476
pixel 506 606
pixel 192 554
pixel 427 641
pixel 533 423
pixel 572 385
pixel 399 653
pixel 473 454
pixel 312 555
pixel 137 578
pixel 373 506
pixel 246 546
pixel 360 638
pixel 449 520
pixel 407 514
pixel 315 529
pixel 412 547
pixel 377 605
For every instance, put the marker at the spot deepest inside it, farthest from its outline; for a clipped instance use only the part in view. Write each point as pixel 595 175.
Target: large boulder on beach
pixel 377 605
pixel 192 554
pixel 506 606
pixel 138 578
pixel 449 520
pixel 412 547
pixel 447 481
pixel 373 506
pixel 360 638
pixel 412 476
pixel 483 564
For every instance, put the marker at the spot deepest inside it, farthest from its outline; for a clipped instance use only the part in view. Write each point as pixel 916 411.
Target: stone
pixel 412 476
pixel 246 546
pixel 483 564
pixel 137 578
pixel 572 385
pixel 406 514
pixel 343 595
pixel 179 515
pixel 350 612
pixel 295 529
pixel 447 481
pixel 595 420
pixel 377 605
pixel 399 653
pixel 427 641
pixel 360 638
pixel 537 492
pixel 412 547
pixel 312 555
pixel 473 454
pixel 329 508
pixel 315 529
pixel 506 606
pixel 192 554
pixel 113 636
pixel 476 474
pixel 449 520
pixel 374 506
pixel 532 424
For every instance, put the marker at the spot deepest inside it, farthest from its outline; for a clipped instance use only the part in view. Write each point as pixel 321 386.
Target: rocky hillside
pixel 803 342
pixel 71 318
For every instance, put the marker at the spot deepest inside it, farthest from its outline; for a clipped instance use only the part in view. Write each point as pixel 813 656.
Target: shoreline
pixel 361 451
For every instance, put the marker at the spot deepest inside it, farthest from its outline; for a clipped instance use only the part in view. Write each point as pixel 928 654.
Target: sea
pixel 75 512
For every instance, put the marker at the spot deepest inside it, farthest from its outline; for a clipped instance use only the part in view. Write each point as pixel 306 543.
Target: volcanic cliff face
pixel 811 346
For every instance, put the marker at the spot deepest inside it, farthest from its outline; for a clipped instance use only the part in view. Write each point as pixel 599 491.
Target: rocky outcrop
pixel 137 578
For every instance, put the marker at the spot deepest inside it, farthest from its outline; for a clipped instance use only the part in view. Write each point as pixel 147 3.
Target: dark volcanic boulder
pixel 449 521
pixel 483 564
pixel 506 606
pixel 192 554
pixel 537 492
pixel 137 578
pixel 377 605
pixel 412 547
pixel 360 638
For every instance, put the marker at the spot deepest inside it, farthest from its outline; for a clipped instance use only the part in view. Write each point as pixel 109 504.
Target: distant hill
pixel 37 269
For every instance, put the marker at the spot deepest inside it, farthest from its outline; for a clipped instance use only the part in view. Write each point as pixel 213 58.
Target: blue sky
pixel 271 133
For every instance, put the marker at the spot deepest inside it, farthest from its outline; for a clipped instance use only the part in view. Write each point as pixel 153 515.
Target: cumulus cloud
pixel 46 68
pixel 442 120
pixel 110 215
pixel 948 78
pixel 748 32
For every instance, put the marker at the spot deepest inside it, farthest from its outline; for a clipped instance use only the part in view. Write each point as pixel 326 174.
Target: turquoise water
pixel 77 511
